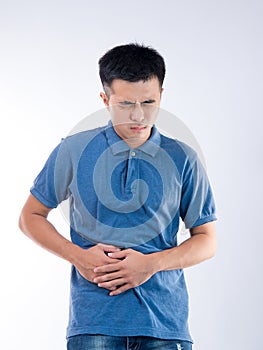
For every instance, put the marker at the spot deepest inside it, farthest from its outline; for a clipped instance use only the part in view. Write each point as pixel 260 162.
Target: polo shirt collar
pixel 152 145
pixel 117 145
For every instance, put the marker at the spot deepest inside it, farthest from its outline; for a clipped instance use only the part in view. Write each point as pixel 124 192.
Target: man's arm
pixel 199 247
pixel 136 268
pixel 34 223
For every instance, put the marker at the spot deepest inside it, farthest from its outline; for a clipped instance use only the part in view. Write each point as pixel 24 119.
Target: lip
pixel 138 128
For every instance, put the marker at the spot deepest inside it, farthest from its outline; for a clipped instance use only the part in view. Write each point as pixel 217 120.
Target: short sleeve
pixel 197 201
pixel 51 186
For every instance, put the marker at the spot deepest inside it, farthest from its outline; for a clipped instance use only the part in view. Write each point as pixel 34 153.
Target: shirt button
pixel 133 154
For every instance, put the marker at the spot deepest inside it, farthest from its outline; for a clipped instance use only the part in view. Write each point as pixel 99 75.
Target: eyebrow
pixel 133 103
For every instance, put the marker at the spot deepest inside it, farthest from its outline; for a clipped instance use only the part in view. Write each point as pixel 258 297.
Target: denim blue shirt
pixel 132 198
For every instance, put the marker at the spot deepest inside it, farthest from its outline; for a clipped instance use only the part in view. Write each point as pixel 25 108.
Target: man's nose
pixel 137 114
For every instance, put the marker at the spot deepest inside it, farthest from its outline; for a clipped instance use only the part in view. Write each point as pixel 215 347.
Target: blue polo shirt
pixel 132 198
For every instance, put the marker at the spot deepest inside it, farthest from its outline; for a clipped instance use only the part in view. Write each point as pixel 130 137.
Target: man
pixel 128 188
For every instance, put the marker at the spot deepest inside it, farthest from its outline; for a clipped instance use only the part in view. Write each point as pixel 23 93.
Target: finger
pixel 107 268
pixel 108 247
pixel 110 260
pixel 107 277
pixel 120 290
pixel 119 255
pixel 112 285
pixel 96 275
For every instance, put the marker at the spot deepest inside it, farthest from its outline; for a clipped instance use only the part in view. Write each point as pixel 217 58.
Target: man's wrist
pixel 71 252
pixel 165 260
pixel 156 262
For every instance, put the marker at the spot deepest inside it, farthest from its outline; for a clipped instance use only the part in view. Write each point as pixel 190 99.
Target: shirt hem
pixel 119 332
pixel 203 221
pixel 41 199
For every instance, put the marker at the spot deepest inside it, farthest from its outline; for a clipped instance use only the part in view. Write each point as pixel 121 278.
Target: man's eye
pixel 127 103
pixel 148 102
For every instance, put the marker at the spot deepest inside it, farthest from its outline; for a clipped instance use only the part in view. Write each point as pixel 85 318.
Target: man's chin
pixel 140 137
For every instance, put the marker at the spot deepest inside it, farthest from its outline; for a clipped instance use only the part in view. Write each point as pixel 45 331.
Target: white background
pixel 49 81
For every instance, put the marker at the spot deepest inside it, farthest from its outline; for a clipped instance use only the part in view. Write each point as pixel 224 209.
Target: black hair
pixel 131 62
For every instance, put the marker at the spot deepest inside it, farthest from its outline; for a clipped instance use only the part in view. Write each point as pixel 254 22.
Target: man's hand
pixel 93 257
pixel 133 270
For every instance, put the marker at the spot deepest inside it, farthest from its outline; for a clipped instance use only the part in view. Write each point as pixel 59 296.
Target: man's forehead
pixel 133 91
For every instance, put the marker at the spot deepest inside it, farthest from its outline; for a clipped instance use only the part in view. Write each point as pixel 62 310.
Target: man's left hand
pixel 133 270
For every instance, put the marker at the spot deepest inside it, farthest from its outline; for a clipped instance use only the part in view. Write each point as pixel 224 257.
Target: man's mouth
pixel 138 127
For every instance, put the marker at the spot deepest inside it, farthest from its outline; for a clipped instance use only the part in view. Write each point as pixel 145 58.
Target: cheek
pixel 121 130
pixel 118 115
pixel 151 113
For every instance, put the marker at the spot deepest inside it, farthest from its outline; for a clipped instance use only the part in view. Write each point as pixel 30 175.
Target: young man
pixel 128 187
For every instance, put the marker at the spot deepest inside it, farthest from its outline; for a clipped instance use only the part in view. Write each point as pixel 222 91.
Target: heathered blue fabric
pixel 131 200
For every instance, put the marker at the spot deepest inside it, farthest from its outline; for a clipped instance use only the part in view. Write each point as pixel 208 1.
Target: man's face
pixel 133 108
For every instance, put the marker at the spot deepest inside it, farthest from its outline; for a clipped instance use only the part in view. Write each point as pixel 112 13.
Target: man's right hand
pixel 88 259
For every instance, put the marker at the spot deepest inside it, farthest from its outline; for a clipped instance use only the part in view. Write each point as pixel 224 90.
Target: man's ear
pixel 104 99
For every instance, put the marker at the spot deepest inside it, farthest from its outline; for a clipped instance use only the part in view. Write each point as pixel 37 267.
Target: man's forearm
pixel 42 232
pixel 34 223
pixel 199 247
